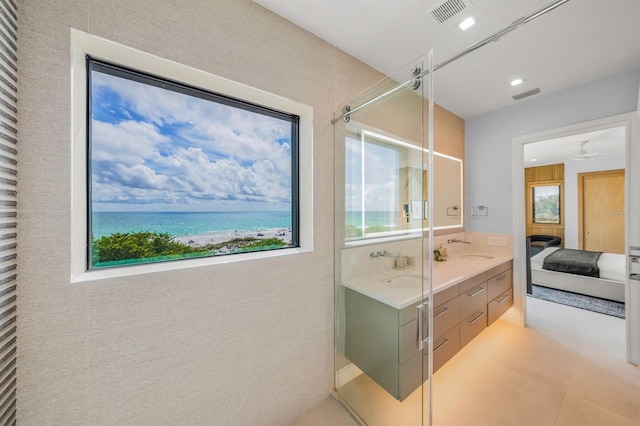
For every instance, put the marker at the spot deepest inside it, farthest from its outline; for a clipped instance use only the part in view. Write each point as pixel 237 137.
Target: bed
pixel 609 285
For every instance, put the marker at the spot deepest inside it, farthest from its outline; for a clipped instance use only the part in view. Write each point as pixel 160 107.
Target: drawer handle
pixel 502 277
pixel 477 317
pixel 445 309
pixel 444 342
pixel 473 293
pixel 504 299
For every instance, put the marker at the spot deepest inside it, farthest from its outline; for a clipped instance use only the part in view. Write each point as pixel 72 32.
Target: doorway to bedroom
pixel 574 216
pixel 627 281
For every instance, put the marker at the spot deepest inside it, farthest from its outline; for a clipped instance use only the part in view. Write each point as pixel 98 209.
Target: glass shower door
pixel 381 285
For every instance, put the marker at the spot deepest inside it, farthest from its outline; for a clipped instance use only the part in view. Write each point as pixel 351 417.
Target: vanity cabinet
pixel 382 340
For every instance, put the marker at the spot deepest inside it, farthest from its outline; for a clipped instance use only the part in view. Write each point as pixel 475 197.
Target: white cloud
pixel 229 131
pixel 128 142
pixel 186 150
pixel 140 176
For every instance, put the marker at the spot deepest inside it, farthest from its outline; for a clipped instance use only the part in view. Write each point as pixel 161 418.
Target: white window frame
pixel 83 44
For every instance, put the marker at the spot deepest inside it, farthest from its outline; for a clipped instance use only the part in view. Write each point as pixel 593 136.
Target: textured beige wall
pixel 232 344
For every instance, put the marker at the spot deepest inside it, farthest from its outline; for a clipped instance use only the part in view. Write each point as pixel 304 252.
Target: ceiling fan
pixel 584 154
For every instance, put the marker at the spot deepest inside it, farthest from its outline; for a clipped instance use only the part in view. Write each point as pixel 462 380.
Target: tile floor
pixel 567 368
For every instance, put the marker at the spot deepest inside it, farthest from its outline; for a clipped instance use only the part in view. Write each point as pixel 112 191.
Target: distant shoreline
pixel 212 224
pixel 201 240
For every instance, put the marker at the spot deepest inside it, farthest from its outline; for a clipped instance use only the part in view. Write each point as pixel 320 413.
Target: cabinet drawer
pixel 497 270
pixel 473 299
pixel 446 347
pixel 472 282
pixel 409 313
pixel 445 295
pixel 500 305
pixel 445 317
pixel 472 325
pixel 500 283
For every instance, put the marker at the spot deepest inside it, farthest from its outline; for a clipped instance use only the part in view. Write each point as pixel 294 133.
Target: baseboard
pixel 346 374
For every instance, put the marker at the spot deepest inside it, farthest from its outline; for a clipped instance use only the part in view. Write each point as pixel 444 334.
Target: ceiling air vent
pixel 526 94
pixel 446 10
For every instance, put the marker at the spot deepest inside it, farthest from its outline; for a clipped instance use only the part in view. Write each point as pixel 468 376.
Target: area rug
pixel 602 306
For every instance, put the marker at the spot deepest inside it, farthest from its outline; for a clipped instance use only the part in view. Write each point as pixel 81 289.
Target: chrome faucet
pixel 383 253
pixel 455 240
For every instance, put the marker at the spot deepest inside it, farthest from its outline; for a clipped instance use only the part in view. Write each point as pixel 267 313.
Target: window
pixel 545 203
pixel 177 172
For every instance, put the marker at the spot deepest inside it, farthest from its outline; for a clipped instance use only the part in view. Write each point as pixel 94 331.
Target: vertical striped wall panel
pixel 8 209
pixel 542 173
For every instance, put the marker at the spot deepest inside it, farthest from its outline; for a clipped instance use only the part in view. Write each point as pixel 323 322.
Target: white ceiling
pixel 578 42
pixel 607 143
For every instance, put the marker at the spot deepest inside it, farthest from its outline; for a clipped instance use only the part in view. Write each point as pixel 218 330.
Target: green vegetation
pixel 547 209
pixel 147 246
pixel 137 245
pixel 246 244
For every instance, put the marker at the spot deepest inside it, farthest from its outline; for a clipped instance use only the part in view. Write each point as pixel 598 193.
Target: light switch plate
pixel 497 241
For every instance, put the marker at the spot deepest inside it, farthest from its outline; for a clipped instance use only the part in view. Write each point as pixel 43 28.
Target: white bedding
pixel 612 266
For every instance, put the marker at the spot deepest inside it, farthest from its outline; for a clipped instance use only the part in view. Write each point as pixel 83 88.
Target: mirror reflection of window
pixel 382 187
pixel 386 186
pixel 372 186
pixel 354 218
pixel 546 204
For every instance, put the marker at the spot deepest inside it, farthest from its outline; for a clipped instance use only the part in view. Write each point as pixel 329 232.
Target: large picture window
pixel 177 172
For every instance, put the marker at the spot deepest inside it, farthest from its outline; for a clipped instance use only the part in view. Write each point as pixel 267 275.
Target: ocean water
pixel 181 224
pixel 372 218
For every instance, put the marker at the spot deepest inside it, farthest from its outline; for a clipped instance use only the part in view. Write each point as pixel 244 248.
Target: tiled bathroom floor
pixel 567 368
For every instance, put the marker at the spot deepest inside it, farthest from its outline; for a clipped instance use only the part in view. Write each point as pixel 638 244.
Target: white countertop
pixel 446 274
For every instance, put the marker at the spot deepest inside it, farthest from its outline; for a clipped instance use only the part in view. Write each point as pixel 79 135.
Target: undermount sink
pixel 476 256
pixel 404 281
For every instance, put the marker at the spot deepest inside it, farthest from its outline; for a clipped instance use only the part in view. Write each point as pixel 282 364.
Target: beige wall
pixel 247 343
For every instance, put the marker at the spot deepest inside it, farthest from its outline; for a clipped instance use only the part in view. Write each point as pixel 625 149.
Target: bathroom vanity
pixel 381 318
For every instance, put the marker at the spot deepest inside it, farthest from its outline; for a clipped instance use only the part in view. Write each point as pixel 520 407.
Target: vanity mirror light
pixel 386 182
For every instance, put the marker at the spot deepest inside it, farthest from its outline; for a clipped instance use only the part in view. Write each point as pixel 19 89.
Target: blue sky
pixel 158 150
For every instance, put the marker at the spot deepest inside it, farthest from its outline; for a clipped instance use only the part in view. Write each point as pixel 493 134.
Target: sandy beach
pixel 200 240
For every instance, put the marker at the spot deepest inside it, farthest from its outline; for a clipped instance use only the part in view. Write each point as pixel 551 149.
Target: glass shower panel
pixel 381 288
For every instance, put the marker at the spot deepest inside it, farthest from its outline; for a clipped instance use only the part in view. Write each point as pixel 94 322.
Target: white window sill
pixel 176 265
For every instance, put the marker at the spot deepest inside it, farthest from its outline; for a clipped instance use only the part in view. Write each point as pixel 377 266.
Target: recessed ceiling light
pixel 533 159
pixel 467 23
pixel 517 81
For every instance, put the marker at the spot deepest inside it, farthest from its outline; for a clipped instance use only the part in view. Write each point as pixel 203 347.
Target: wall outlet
pixel 353 258
pixel 497 241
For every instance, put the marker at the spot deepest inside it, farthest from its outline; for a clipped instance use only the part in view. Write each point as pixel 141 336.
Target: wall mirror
pixel 447 196
pixel 386 187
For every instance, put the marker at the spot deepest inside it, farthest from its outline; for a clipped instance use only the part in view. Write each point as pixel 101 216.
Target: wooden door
pixel 601 211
